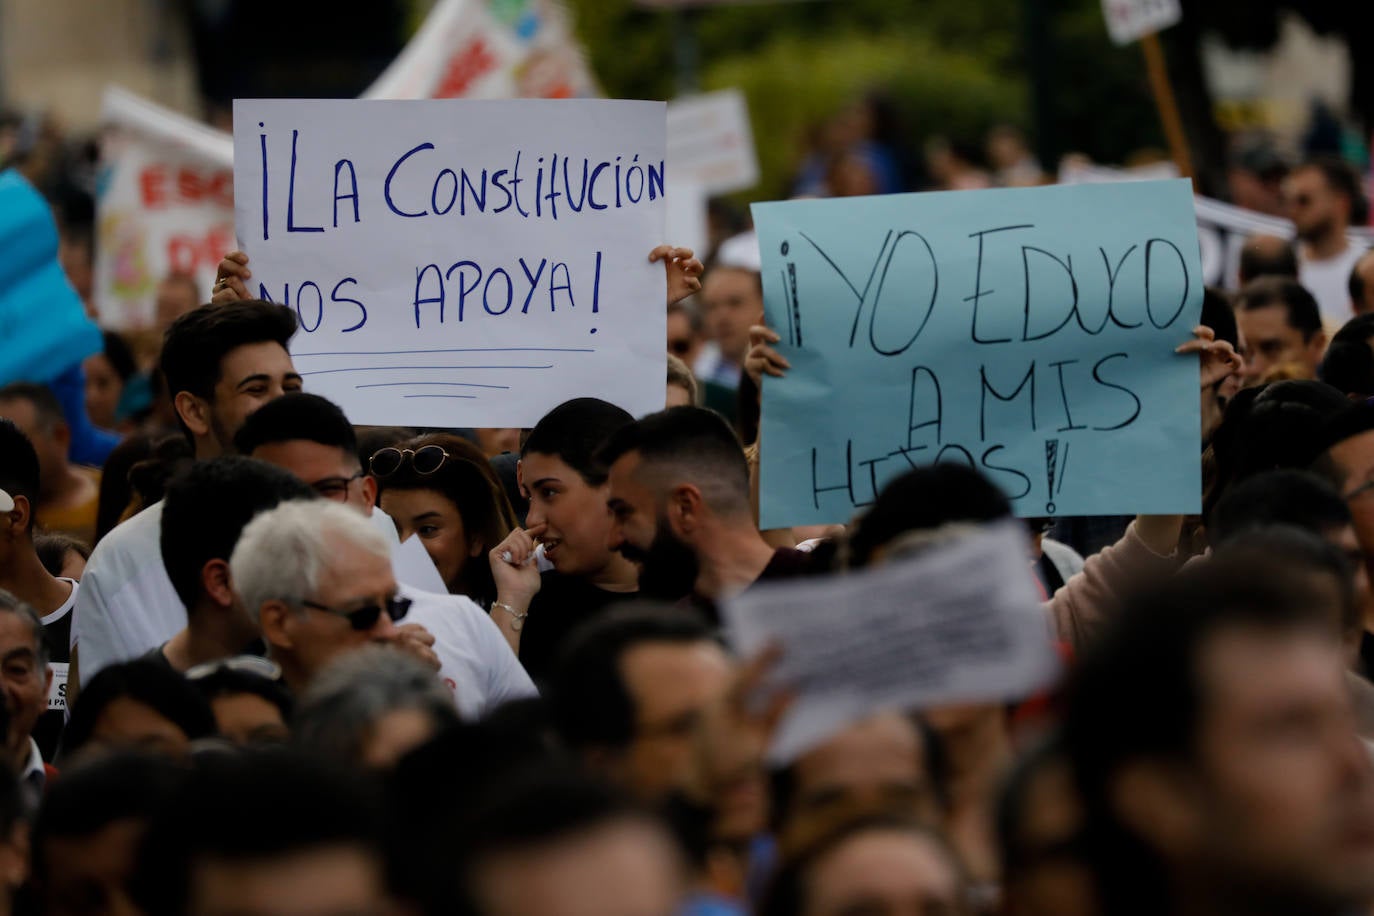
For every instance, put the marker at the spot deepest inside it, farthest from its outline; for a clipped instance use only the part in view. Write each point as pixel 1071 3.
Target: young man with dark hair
pixel 203 514
pixel 1324 198
pixel 311 438
pixel 23 575
pixel 70 494
pixel 221 363
pixel 1213 742
pixel 679 494
pixel 266 833
pixel 1281 327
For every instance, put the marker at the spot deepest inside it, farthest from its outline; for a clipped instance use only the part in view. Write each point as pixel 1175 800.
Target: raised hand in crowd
pixel 515 569
pixel 683 268
pixel 231 279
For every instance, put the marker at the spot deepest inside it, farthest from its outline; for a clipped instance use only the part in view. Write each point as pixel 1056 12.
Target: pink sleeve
pixel 1078 609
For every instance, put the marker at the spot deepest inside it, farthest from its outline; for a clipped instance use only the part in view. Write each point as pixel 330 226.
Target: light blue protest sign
pixel 1029 333
pixel 42 321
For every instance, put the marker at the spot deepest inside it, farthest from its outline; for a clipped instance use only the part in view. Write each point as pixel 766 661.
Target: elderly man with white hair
pixel 317 578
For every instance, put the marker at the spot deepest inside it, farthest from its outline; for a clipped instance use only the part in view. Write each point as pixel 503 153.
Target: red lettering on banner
pixel 151 183
pixel 464 68
pixel 188 253
pixel 161 187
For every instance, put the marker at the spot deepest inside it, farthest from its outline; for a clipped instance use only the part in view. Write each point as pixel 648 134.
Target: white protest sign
pixel 711 143
pixel 959 622
pixel 489 49
pixel 164 204
pixel 1132 20
pixel 460 263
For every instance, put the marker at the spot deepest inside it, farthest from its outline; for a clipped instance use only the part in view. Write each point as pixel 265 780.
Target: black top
pixel 47 731
pixel 787 563
pixel 562 604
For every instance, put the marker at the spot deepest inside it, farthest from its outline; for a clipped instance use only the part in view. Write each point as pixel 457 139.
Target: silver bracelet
pixel 517 618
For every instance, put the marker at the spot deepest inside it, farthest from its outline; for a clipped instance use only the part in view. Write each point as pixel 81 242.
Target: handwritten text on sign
pixel 460 263
pixel 1027 332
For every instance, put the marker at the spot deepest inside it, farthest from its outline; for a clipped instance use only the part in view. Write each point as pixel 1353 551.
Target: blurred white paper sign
pixel 1132 20
pixel 710 142
pixel 960 622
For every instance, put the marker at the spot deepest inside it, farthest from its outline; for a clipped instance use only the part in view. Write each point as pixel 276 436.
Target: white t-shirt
pixel 475 660
pixel 127 606
pixel 1328 281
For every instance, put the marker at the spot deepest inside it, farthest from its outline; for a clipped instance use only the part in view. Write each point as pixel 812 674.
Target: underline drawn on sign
pixel 447 384
pixel 466 397
pixel 459 350
pixel 416 368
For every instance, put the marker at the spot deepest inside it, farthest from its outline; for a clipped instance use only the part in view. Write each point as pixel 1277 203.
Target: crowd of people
pixel 257 659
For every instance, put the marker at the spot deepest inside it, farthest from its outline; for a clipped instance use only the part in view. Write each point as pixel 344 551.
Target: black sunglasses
pixel 366 617
pixel 426 460
pixel 679 347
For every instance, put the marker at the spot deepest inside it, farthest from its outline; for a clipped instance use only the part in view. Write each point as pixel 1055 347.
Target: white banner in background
pixel 711 143
pixel 1222 228
pixel 164 204
pixel 489 50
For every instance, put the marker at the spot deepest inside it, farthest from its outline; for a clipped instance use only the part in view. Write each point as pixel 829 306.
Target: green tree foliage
pixel 952 67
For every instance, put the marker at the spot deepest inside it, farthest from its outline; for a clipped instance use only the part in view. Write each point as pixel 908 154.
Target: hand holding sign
pixel 461 263
pixel 1025 332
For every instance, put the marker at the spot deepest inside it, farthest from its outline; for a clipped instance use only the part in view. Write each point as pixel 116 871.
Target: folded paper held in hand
pixel 958 622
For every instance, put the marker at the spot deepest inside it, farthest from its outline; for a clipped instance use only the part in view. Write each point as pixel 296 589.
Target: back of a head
pixel 293 416
pixel 255 807
pixel 574 432
pixel 1218 315
pixel 159 688
pixel 347 699
pixel 924 499
pixel 1301 307
pixel 1307 554
pixel 1348 367
pixel 100 792
pixel 198 341
pixel 530 809
pixel 1267 256
pixel 587 696
pixel 1270 428
pixel 207 508
pixel 688 445
pixel 1283 497
pixel 18 465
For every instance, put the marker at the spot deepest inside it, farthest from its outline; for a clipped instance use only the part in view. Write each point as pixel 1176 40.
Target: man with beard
pixel 679 493
pixel 1213 742
pixel 1323 197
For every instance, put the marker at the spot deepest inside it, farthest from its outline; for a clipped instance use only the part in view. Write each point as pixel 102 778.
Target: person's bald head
pixel 1267 255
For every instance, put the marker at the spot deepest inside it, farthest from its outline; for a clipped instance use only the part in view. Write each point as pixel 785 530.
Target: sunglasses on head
pixel 366 617
pixel 425 460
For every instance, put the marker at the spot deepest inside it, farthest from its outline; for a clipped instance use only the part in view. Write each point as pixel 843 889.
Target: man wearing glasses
pixel 312 438
pixel 1322 197
pixel 317 580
